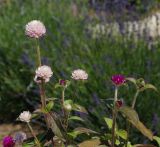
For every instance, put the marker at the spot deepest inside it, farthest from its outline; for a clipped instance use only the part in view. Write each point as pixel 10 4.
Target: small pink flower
pixel 8 141
pixel 43 73
pixel 79 74
pixel 35 29
pixel 118 80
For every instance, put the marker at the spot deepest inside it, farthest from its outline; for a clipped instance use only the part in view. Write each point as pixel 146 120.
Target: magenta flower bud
pixel 118 80
pixel 119 103
pixel 8 141
pixel 62 82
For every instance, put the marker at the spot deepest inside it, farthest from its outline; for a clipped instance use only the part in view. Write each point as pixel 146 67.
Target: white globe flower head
pixel 43 73
pixel 25 116
pixel 79 74
pixel 35 29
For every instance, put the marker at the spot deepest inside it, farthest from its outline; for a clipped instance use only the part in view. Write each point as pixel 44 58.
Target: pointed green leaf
pixel 133 80
pixel 90 143
pixel 53 125
pixel 109 122
pixel 157 139
pixel 84 130
pixel 146 132
pixel 75 118
pixel 49 106
pixel 122 134
pixel 81 130
pixel 130 113
pixel 149 86
pixel 79 108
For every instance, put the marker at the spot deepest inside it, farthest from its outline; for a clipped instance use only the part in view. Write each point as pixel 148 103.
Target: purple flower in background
pixel 20 137
pixel 96 99
pixel 45 61
pixel 118 80
pixel 8 141
pixel 26 60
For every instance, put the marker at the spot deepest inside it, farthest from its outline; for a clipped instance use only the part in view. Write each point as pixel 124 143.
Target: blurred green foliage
pixel 66 47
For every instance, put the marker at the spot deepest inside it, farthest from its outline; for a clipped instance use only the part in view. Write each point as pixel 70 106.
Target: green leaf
pixel 81 130
pixel 84 130
pixel 129 144
pixel 73 134
pixel 132 116
pixel 90 143
pixel 57 85
pixel 79 108
pixel 109 122
pixel 157 139
pixel 122 134
pixel 130 113
pixel 146 132
pixel 53 125
pixel 75 118
pixel 117 142
pixel 133 80
pixel 148 86
pixel 49 106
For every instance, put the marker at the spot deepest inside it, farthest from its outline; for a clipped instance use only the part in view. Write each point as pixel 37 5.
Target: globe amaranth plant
pixel 58 131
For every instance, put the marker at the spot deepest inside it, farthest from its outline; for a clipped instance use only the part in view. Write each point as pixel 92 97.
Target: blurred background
pixel 103 37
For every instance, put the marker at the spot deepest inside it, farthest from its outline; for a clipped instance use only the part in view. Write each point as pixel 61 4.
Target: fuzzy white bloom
pixel 79 74
pixel 35 29
pixel 25 116
pixel 43 73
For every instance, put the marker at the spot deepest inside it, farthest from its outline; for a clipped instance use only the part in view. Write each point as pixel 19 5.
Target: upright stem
pixel 38 53
pixel 65 114
pixel 32 132
pixel 134 99
pixel 128 123
pixel 42 87
pixel 114 116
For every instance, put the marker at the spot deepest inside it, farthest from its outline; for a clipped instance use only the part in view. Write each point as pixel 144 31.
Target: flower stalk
pixel 38 53
pixel 32 132
pixel 114 116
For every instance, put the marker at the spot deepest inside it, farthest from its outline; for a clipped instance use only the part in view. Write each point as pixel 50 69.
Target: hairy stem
pixel 114 116
pixel 42 87
pixel 32 132
pixel 134 99
pixel 128 123
pixel 38 53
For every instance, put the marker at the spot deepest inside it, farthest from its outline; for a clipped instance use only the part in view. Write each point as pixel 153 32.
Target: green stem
pixel 134 99
pixel 128 123
pixel 65 113
pixel 114 116
pixel 32 132
pixel 38 53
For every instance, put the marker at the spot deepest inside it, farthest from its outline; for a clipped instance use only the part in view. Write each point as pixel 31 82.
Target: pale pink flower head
pixel 35 29
pixel 43 73
pixel 8 141
pixel 79 74
pixel 25 116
